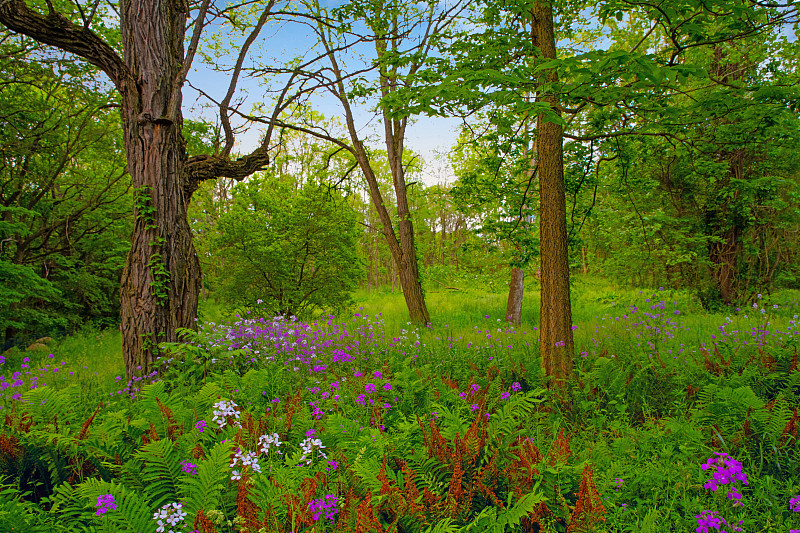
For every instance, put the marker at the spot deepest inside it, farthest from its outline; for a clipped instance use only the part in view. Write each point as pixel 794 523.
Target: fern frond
pixel 132 512
pixel 445 525
pixel 161 471
pixel 204 490
pixel 511 516
pixel 518 409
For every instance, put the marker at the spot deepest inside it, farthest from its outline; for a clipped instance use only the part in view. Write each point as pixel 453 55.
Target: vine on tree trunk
pixel 145 211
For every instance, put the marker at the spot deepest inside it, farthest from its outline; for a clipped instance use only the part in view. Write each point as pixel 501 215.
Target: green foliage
pixel 63 200
pixel 634 420
pixel 292 248
pixel 204 490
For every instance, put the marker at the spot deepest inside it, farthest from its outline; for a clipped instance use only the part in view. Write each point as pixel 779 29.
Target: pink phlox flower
pixel 709 519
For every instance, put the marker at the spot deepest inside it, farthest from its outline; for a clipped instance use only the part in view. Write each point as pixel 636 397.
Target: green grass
pixel 647 420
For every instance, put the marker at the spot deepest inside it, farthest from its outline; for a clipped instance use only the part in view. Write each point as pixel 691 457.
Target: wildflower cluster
pixel 247 459
pixel 223 410
pixel 725 470
pixel 794 505
pixel 324 506
pixel 104 503
pixel 267 441
pixel 189 468
pixel 170 515
pixel 308 446
pixel 708 520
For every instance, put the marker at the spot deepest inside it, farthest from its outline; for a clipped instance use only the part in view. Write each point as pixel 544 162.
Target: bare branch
pixel 177 83
pixel 57 31
pixel 225 104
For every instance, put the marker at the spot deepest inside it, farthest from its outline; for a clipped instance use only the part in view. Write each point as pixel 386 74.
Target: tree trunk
pixel 407 264
pixel 555 331
pixel 723 257
pixel 584 264
pixel 160 283
pixel 516 291
pixel 161 280
pixel 444 236
pixel 376 261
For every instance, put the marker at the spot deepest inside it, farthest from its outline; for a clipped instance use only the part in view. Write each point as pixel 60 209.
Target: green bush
pixel 289 252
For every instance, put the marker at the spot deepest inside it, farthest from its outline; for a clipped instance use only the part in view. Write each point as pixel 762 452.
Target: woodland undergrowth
pixel 271 424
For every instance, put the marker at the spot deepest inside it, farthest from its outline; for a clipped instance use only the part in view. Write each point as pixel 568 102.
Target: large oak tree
pixel 160 283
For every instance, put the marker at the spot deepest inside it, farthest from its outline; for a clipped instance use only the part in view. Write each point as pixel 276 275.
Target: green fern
pixel 161 471
pixel 270 489
pixel 432 475
pixel 511 516
pixel 728 408
pixel 132 513
pixel 204 490
pixel 777 419
pixel 367 470
pixel 494 521
pixel 14 511
pixel 445 525
pixel 513 413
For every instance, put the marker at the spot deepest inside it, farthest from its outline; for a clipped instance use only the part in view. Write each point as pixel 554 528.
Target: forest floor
pixel 675 419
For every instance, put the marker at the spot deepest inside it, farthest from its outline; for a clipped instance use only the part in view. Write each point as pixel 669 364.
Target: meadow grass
pixel 385 426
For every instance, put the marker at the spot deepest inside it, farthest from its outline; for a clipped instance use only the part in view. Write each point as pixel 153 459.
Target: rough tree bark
pixel 161 280
pixel 407 264
pixel 516 292
pixel 555 331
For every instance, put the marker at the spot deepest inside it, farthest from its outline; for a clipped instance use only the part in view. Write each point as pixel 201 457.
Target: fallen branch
pixel 445 286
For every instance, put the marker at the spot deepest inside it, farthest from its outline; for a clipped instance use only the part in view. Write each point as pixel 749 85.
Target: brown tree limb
pixel 180 79
pixel 55 30
pixel 224 106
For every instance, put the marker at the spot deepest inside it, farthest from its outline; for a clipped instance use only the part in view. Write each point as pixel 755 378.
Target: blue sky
pixel 282 42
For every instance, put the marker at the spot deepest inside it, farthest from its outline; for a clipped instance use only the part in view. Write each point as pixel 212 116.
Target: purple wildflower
pixel 104 503
pixel 189 468
pixel 709 519
pixel 324 506
pixel 794 504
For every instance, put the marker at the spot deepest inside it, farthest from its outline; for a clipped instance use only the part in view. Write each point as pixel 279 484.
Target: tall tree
pixel 161 280
pixel 556 346
pixel 504 59
pixel 399 38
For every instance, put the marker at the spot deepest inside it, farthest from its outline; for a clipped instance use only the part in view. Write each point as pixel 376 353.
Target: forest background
pixel 632 165
pixel 679 161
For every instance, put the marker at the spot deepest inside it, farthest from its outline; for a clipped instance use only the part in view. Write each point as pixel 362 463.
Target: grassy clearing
pixel 384 427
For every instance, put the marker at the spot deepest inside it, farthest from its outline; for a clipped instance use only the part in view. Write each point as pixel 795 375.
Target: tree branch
pixel 225 104
pixel 55 30
pixel 177 83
